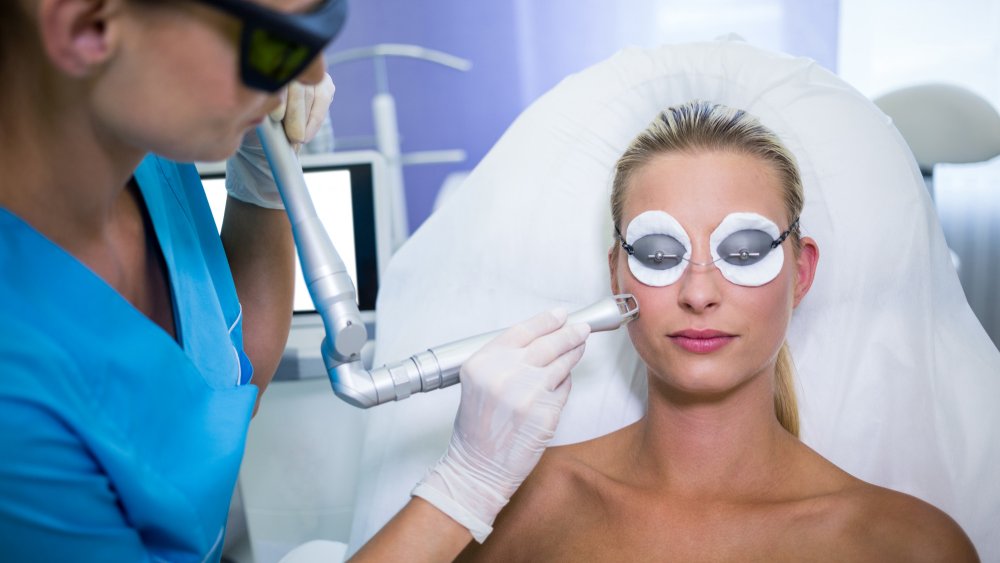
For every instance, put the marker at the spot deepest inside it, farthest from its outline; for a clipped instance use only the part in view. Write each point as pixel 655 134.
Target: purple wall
pixel 519 49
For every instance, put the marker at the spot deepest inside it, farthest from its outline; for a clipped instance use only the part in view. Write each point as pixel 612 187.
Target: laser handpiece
pixel 334 296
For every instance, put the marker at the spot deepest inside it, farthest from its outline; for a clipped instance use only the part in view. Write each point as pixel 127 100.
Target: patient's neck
pixel 712 447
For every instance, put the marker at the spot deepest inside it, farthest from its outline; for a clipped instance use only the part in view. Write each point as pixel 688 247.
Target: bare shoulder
pixel 561 481
pixel 903 527
pixel 551 503
pixel 555 484
pixel 569 476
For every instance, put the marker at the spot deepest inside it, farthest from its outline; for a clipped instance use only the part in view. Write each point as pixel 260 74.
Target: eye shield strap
pixel 794 227
pixel 628 247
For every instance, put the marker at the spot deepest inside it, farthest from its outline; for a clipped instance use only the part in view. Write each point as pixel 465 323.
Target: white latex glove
pixel 302 112
pixel 513 391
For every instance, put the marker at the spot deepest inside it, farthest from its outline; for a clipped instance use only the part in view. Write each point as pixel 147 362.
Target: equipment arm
pixel 334 296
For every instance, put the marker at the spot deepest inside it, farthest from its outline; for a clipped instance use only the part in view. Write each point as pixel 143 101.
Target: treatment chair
pixel 897 381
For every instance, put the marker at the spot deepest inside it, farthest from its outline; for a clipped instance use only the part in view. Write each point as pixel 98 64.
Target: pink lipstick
pixel 701 341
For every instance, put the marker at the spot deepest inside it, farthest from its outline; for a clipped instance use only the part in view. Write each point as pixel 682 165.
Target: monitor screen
pixel 344 190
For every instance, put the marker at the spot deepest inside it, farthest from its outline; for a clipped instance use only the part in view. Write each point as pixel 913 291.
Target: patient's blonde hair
pixel 699 126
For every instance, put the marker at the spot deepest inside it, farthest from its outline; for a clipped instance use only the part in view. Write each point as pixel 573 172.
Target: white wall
pixel 888 44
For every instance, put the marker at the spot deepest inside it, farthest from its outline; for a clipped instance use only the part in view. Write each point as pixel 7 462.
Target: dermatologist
pixel 134 341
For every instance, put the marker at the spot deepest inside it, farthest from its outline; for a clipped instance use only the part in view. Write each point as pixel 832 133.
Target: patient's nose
pixel 699 285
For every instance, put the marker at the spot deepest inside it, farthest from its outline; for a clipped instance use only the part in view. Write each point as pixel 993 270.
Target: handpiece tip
pixel 628 306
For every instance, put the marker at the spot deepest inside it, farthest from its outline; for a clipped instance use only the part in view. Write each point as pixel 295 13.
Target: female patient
pixel 706 205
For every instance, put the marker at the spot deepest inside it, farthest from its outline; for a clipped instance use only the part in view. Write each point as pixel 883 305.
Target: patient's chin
pixel 700 382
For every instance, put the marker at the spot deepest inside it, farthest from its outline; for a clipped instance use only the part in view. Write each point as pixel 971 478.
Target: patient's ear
pixel 805 268
pixel 78 35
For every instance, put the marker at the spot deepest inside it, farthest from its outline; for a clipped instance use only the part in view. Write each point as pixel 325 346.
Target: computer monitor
pixel 348 190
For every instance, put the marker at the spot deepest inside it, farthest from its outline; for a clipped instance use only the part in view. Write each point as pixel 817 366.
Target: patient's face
pixel 671 333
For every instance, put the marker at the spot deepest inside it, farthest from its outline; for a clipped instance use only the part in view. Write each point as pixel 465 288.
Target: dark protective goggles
pixel 275 47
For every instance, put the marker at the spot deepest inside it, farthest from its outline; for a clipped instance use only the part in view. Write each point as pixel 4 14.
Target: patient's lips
pixel 701 341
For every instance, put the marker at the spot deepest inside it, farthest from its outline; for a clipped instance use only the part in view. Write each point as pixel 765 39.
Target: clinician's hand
pixel 513 391
pixel 303 109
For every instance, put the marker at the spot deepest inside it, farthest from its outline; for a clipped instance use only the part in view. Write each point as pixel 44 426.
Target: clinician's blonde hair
pixel 702 126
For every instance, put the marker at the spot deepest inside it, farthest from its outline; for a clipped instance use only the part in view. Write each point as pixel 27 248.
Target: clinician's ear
pixel 805 268
pixel 78 35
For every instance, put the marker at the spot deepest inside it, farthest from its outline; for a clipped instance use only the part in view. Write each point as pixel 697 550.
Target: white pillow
pixel 897 380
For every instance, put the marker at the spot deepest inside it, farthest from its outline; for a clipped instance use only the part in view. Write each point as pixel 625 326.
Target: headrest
pixel 896 378
pixel 943 123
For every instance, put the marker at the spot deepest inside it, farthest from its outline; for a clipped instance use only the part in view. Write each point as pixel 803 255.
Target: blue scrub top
pixel 117 442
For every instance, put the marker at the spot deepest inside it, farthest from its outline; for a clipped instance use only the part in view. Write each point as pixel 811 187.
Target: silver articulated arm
pixel 333 294
pixel 439 366
pixel 329 284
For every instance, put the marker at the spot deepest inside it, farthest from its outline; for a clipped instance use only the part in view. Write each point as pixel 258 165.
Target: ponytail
pixel 785 404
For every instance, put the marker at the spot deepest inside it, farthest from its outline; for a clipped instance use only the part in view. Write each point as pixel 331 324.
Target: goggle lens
pixel 659 251
pixel 745 248
pixel 271 61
